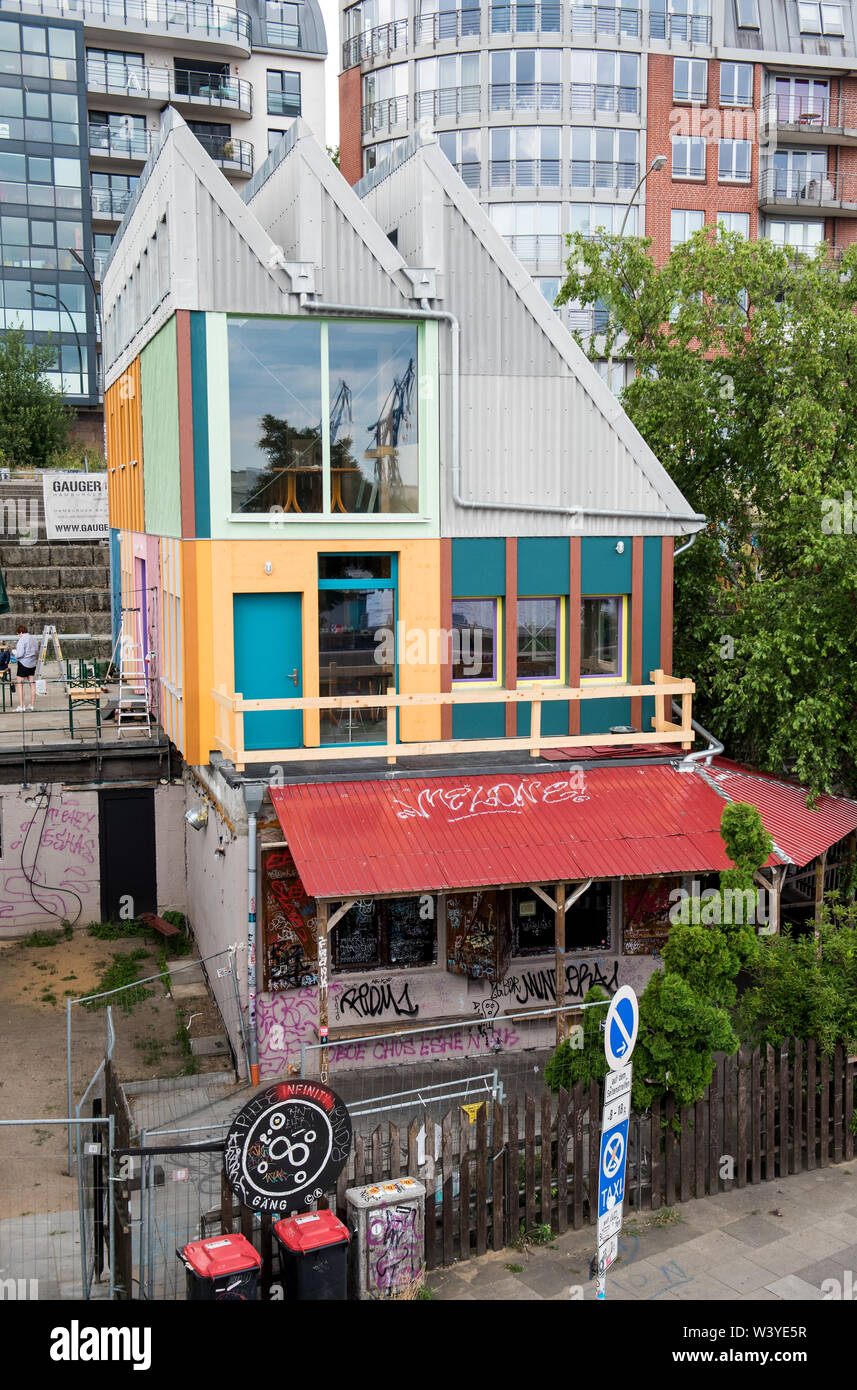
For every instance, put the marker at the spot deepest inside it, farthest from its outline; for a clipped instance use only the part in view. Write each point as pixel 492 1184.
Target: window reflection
pixel 601 636
pixel 356 630
pixel 277 451
pixel 374 459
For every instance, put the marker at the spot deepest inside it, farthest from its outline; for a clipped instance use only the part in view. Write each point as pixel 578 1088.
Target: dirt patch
pixel 34 984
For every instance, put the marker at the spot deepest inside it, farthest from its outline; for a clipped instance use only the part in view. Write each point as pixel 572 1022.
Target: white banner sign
pixel 75 506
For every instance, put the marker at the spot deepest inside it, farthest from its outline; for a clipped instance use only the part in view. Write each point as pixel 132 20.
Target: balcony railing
pixel 163 84
pixel 687 28
pixel 525 173
pixel 383 115
pixel 451 24
pixel 117 143
pixel 161 16
pixel 379 42
pixel 110 203
pixel 283 103
pixel 535 248
pixel 99 263
pixel 832 192
pixel 602 173
pixel 469 172
pixel 592 20
pixel 230 709
pixel 545 18
pixel 525 96
pixel 589 321
pixel 236 156
pixel 805 114
pixel 599 96
pixel 444 102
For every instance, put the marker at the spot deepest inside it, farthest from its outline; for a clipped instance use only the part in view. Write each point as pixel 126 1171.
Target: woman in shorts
pixel 26 654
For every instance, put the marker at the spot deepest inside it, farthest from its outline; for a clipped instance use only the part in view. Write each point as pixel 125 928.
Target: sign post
pixel 620 1035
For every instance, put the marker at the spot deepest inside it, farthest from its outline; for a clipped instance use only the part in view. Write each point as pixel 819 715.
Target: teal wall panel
pixel 478 568
pixel 599 716
pixel 478 721
pixel 199 380
pixel 554 718
pixel 543 565
pixel 267 630
pixel 602 571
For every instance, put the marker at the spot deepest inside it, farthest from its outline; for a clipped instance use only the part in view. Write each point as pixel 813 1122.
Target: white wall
pixel 65 854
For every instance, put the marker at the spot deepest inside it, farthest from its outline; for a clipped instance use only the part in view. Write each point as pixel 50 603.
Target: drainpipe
pixel 442 315
pixel 254 793
pixel 686 546
pixel 714 749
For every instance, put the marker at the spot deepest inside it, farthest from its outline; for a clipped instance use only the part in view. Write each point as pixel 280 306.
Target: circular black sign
pixel 288 1146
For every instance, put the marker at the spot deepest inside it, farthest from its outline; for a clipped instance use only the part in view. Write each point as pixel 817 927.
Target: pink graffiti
pixel 394 1241
pixel 285 1021
pixel 17 904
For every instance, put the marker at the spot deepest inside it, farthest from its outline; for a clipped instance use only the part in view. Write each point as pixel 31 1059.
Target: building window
pixel 603 158
pixel 284 93
pixel 820 18
pixel 540 644
pixel 803 236
pixel 735 222
pixel 476 640
pixel 590 218
pixel 683 224
pixel 602 637
pixel 736 84
pixel 356 653
pixel 274 138
pixel 688 157
pixel 524 157
pixel 747 14
pixel 384 933
pixel 462 149
pixel 690 79
pixel 367 459
pixel 281 22
pixel 733 161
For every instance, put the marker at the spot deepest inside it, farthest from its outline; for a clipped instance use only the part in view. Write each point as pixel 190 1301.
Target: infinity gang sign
pixel 287 1147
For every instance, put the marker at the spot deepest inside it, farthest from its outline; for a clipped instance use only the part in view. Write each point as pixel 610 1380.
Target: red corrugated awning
pixel 429 834
pixel 800 831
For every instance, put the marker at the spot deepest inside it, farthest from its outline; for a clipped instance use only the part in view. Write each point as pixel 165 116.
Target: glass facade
pixel 323 416
pixel 43 173
pixel 356 642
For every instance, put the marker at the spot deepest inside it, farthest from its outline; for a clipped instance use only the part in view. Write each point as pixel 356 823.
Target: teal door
pixel 268 665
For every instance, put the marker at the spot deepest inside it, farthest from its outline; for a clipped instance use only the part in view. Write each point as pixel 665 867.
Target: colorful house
pixel 404 569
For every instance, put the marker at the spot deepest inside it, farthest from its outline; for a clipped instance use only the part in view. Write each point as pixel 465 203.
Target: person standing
pixel 26 654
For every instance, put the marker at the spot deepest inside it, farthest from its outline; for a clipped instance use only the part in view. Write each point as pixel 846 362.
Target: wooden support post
pixel 686 715
pixel 559 943
pixel 850 856
pixel 239 733
pixel 535 719
pixel 324 1060
pixel 392 714
pixel 660 719
pixel 820 866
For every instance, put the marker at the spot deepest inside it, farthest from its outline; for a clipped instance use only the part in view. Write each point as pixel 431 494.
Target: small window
pixel 735 222
pixel 284 93
pixel 690 79
pixel 688 157
pixel 341 567
pixel 809 18
pixel 539 639
pixel 831 19
pixel 475 639
pixel 747 12
pixel 736 84
pixel 733 161
pixel 384 933
pixel 602 637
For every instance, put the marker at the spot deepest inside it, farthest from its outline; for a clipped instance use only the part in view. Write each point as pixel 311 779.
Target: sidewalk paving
pixel 777 1241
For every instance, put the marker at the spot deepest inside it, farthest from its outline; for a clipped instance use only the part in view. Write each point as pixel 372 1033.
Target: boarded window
pixel 646 923
pixel 288 925
pixel 386 932
pixel 478 934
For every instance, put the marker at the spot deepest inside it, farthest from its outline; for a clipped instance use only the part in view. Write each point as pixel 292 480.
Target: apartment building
pixel 82 84
pixel 552 112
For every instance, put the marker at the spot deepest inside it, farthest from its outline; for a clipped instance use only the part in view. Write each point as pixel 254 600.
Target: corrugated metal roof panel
pixel 430 834
pixel 799 831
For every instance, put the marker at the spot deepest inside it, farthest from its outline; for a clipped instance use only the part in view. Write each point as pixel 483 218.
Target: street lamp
pixel 85 268
pixel 657 163
pixel 43 294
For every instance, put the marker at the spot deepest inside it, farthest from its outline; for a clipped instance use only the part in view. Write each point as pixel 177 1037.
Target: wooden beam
pixel 578 893
pixel 820 866
pixel 237 703
pixel 339 914
pixel 548 901
pixel 323 966
pixel 559 949
pixel 667 549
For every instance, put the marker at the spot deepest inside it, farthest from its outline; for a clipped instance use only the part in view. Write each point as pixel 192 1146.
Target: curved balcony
pixel 603 174
pixel 224 29
pixel 384 115
pixel 525 173
pixel 596 21
pixel 685 28
pixel 434 29
pixel 598 96
pixel 537 249
pixel 111 142
pixel 782 190
pixel 375 43
pixel 525 96
pixel 233 156
pixel 154 86
pixel 537 19
pixel 447 103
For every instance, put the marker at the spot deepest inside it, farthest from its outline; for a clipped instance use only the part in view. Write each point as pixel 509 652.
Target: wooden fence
pixel 765 1115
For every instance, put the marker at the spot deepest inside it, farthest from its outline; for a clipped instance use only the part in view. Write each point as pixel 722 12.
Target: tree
pixel 746 355
pixel 581 1058
pixel 35 422
pixel 333 153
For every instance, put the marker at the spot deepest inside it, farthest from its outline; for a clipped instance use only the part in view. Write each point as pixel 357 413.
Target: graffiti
pixel 579 978
pixel 395 1239
pixel 59 900
pixel 487 799
pixel 372 1000
pixel 288 897
pixel 68 829
pixel 288 967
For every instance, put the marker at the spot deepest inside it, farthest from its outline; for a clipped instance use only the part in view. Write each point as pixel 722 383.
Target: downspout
pixel 254 793
pixel 714 749
pixel 443 315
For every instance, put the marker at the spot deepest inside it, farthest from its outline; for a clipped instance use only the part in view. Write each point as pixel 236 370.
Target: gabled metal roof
pixel 801 832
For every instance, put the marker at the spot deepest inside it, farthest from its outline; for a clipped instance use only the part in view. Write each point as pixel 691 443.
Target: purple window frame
pixel 546 598
pixel 487 680
pixel 620 641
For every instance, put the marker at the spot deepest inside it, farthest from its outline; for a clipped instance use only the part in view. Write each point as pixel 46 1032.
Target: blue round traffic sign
pixel 620 1031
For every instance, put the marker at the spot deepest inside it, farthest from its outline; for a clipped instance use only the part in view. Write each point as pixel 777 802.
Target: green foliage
pixel 745 357
pixel 747 842
pixel 805 986
pixel 679 1031
pixel 117 931
pixel 35 422
pixel 42 938
pixel 570 1064
pixel 707 958
pixel 124 970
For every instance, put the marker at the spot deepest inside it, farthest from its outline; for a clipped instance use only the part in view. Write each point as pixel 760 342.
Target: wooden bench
pixel 83 694
pixel 158 924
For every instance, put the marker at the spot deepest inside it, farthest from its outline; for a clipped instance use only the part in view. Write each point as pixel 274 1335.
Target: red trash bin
pixel 313 1256
pixel 221 1268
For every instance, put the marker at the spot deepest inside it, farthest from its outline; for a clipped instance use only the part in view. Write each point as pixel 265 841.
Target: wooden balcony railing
pixel 231 709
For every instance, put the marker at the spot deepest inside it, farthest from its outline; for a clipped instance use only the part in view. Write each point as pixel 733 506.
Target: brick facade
pixel 350 151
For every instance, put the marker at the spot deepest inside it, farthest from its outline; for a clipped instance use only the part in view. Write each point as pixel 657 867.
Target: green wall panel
pixel 602 571
pixel 543 565
pixel 478 721
pixel 161 477
pixel 478 568
pixel 554 718
pixel 599 716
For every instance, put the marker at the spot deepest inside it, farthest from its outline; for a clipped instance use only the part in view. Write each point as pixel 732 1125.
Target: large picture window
pixel 323 416
pixel 602 637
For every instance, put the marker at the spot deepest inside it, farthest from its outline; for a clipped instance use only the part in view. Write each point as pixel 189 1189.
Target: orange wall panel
pixel 124 420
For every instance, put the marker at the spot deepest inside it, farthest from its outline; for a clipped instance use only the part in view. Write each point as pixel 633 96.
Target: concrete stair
pixel 60 583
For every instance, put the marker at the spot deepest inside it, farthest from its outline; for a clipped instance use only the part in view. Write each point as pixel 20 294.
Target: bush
pixel 570 1064
pixel 805 986
pixel 679 1031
